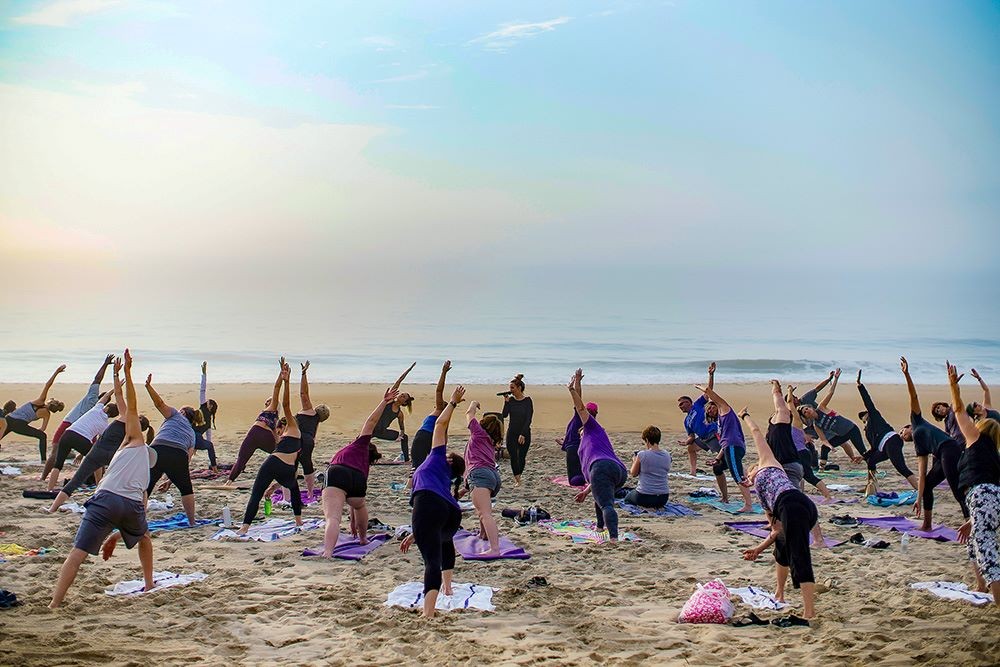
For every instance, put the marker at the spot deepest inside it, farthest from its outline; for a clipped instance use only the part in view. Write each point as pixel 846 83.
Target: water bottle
pixel 227 517
pixel 397 486
pixel 533 514
pixel 904 541
pixel 267 507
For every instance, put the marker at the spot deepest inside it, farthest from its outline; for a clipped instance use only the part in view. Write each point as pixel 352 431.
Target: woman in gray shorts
pixel 482 477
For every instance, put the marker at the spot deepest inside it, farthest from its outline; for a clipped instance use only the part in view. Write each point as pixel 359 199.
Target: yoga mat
pixel 563 480
pixel 317 495
pixel 161 580
pixel 893 499
pixel 760 529
pixel 178 521
pixel 348 547
pixel 584 531
pixel 470 547
pixel 903 525
pixel 269 531
pixel 732 507
pixel 464 596
pixel 670 509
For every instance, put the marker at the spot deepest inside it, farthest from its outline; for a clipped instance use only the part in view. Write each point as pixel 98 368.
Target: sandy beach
pixel 616 605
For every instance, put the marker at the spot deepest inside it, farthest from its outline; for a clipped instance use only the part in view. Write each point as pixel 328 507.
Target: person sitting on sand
pixel 19 420
pixel 394 413
pixel 421 445
pixel 792 516
pixel 347 479
pixel 280 465
pixel 799 439
pixel 436 513
pixel 930 441
pixel 119 502
pixel 174 447
pixel 832 429
pixel 979 480
pixel 81 434
pixel 652 466
pixel 985 409
pixel 602 469
pixel 700 424
pixel 263 434
pixel 481 474
pixel 885 442
pixel 733 449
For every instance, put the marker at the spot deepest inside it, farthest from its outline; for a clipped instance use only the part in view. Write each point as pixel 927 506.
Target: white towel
pixel 10 470
pixel 161 579
pixel 269 531
pixel 699 476
pixel 466 596
pixel 839 487
pixel 76 508
pixel 165 504
pixel 950 590
pixel 758 598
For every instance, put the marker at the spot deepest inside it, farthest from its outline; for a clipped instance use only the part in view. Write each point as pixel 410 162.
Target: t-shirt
pixel 779 439
pixel 953 429
pixel 25 413
pixel 809 398
pixel 479 450
pixel 799 439
pixel 519 413
pixel 595 445
pixel 832 424
pixel 175 431
pixel 428 423
pixel 128 473
pixel 731 431
pixel 927 438
pixel 979 464
pixel 572 439
pixel 85 404
pixel 92 423
pixel 308 425
pixel 434 475
pixel 771 483
pixel 695 423
pixel 654 466
pixel 355 455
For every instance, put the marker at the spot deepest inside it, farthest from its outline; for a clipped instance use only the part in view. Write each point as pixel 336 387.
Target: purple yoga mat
pixel 759 529
pixel 348 548
pixel 316 496
pixel 904 525
pixel 470 547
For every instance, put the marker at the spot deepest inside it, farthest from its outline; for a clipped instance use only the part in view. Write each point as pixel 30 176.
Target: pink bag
pixel 709 604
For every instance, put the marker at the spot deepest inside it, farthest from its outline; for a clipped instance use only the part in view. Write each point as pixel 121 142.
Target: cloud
pixel 60 13
pixel 402 78
pixel 414 107
pixel 508 34
pixel 380 42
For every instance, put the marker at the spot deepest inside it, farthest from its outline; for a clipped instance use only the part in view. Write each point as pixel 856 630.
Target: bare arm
pixel 440 437
pixel 574 392
pixel 387 398
pixel 711 375
pixel 790 404
pixel 818 388
pixel 402 377
pixel 401 421
pixel 119 394
pixel 273 405
pixel 965 422
pixel 715 398
pixel 439 401
pixel 304 388
pixel 291 426
pixel 133 431
pixel 914 401
pixel 833 388
pixel 157 401
pixel 635 466
pixel 203 387
pixel 987 399
pixel 99 376
pixel 470 414
pixel 48 385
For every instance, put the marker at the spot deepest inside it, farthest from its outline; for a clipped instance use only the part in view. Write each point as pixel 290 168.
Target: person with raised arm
pixel 517 406
pixel 832 429
pixel 347 479
pixel 733 449
pixel 81 435
pixel 19 420
pixel 985 409
pixel 802 449
pixel 394 412
pixel 979 480
pixel 436 514
pixel 779 437
pixel 308 419
pixel 930 441
pixel 174 447
pixel 603 471
pixel 208 408
pixel 119 502
pixel 263 434
pixel 886 443
pixel 481 474
pixel 421 445
pixel 699 423
pixel 280 465
pixel 792 516
pixel 570 444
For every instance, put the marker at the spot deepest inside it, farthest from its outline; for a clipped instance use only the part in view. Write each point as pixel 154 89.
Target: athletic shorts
pixel 107 511
pixel 349 480
pixel 708 444
pixel 484 478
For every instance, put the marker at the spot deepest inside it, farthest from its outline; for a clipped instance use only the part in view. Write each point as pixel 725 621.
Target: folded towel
pixel 159 505
pixel 464 596
pixel 76 508
pixel 840 487
pixel 160 579
pixel 758 598
pixel 670 509
pixel 269 531
pixel 10 470
pixel 953 591
pixel 893 499
pixel 349 548
pixel 470 547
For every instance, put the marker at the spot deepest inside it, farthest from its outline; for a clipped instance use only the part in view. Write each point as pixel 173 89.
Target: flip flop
pixel 790 621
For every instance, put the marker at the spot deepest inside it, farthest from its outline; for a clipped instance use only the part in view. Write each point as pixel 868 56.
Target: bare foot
pixel 447 590
pixel 490 553
pixel 363 539
pixel 925 526
pixel 746 509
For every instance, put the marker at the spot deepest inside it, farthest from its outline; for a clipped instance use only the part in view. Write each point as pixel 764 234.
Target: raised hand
pixel 204 367
pixel 836 374
pixel 285 373
pixel 446 366
pixel 711 368
pixel 305 366
pixel 281 363
pixel 149 379
pixel 108 360
pixel 128 359
pixel 975 374
pixel 390 395
pixel 776 385
pixel 60 369
pixel 952 373
pixel 458 395
pixel 118 365
pixel 859 376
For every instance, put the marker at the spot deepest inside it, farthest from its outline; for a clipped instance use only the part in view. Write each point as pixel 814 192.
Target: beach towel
pixel 584 531
pixel 732 507
pixel 950 590
pixel 470 547
pixel 11 551
pixel 709 604
pixel 76 508
pixel 704 477
pixel 849 473
pixel 705 492
pixel 348 547
pixel 161 580
pixel 820 500
pixel 178 521
pixel 758 598
pixel 269 531
pixel 563 480
pixel 840 487
pixel 317 495
pixel 160 505
pixel 207 473
pixel 10 470
pixel 464 596
pixel 893 499
pixel 670 509
pixel 760 529
pixel 903 525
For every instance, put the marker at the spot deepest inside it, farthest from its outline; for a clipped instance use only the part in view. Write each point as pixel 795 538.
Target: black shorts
pixel 105 512
pixel 347 479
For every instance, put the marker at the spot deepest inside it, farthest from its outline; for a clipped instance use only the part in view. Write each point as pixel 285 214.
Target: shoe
pixel 857 538
pixel 832 466
pixel 789 621
pixel 750 619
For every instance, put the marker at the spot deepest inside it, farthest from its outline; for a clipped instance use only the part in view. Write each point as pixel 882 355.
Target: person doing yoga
pixel 88 401
pixel 802 448
pixel 393 412
pixel 885 442
pixel 481 475
pixel 652 466
pixel 570 444
pixel 700 424
pixel 985 409
pixel 174 447
pixel 518 409
pixel 81 435
pixel 19 420
pixel 263 434
pixel 421 445
pixel 779 437
pixel 832 429
pixel 733 447
pixel 208 408
pixel 308 419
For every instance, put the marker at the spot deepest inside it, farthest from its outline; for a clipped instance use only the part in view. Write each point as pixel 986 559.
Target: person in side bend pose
pixel 88 401
pixel 979 480
pixel 603 470
pixel 942 412
pixel 421 446
pixel 436 514
pixel 208 408
pixel 733 449
pixel 119 502
pixel 652 466
pixel 792 516
pixel 308 419
pixel 886 444
pixel 280 465
pixel 802 449
pixel 833 430
pixel 394 412
pixel 263 434
pixel 481 474
pixel 81 434
pixel 930 441
pixel 699 423
pixel 174 447
pixel 779 437
pixel 571 445
pixel 985 409
pixel 347 479
pixel 519 409
pixel 19 420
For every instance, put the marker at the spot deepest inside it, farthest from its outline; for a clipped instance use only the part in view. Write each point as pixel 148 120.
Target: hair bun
pixel 519 376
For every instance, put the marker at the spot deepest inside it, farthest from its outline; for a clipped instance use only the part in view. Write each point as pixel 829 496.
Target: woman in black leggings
pixel 309 418
pixel 885 443
pixel 394 412
pixel 436 514
pixel 19 420
pixel 833 429
pixel 519 409
pixel 280 465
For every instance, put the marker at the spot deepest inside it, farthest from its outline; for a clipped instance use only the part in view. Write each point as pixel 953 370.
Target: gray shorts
pixel 107 511
pixel 484 478
pixel 794 472
pixel 708 444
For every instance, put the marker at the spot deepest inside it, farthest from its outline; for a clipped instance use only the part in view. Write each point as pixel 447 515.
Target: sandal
pixel 857 538
pixel 790 621
pixel 751 619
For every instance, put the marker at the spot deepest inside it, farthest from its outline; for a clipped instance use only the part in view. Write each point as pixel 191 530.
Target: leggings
pixel 389 434
pixel 22 427
pixel 421 448
pixel 99 456
pixel 201 442
pixel 70 441
pixel 653 501
pixel 854 435
pixel 306 454
pixel 172 462
pixel 606 477
pixel 797 515
pixel 273 470
pixel 945 467
pixel 984 505
pixel 808 474
pixel 435 522
pixel 892 451
pixel 256 438
pixel 574 471
pixel 518 453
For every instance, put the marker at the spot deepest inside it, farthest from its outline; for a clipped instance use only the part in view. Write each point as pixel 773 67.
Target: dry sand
pixel 612 605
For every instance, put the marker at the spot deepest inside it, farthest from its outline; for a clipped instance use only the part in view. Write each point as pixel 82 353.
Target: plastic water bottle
pixel 267 507
pixel 227 517
pixel 904 541
pixel 396 486
pixel 533 514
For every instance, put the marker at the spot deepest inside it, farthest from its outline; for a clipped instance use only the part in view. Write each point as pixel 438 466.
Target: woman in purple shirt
pixel 481 475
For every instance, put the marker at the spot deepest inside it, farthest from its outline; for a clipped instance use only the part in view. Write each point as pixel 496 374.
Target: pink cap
pixel 592 408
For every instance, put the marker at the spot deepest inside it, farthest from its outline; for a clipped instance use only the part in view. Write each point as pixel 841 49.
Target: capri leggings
pixel 855 438
pixel 256 438
pixel 203 443
pixel 797 515
pixel 984 505
pixel 606 477
pixel 273 470
pixel 22 427
pixel 390 435
pixel 421 448
pixel 435 522
pixel 732 460
pixel 172 462
pixel 945 467
pixel 891 451
pixel 306 454
pixel 70 441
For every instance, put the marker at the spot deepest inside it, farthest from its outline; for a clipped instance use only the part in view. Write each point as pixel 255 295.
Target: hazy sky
pixel 260 149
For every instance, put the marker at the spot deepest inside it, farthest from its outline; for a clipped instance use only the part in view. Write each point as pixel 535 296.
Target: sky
pixel 214 156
